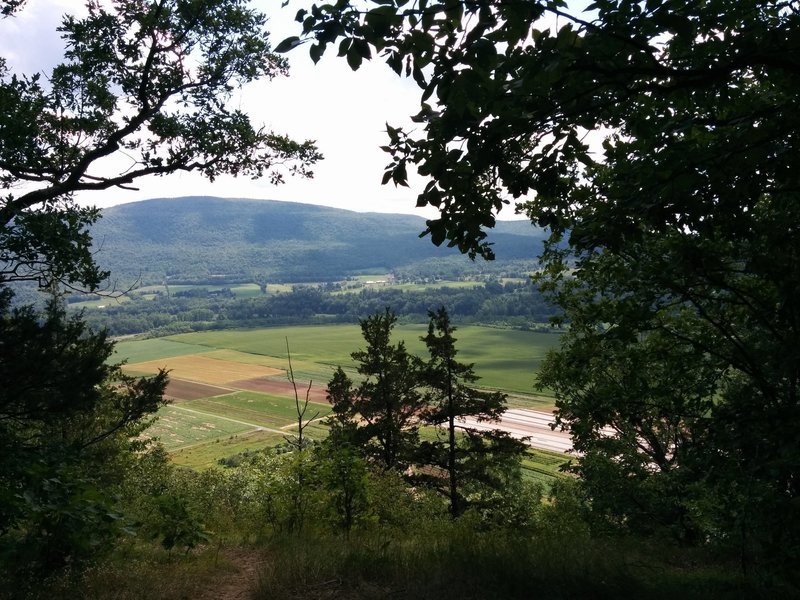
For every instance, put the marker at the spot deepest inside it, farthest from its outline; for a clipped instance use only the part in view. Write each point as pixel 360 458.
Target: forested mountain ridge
pixel 201 238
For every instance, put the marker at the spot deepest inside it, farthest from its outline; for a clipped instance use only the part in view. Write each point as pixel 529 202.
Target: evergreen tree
pixel 468 456
pixel 380 414
pixel 69 426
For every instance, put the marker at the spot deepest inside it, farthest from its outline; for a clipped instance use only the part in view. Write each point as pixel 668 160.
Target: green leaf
pixel 354 58
pixel 344 46
pixel 287 44
pixel 363 49
pixel 315 52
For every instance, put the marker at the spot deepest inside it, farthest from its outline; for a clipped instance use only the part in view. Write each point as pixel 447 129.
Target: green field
pixel 179 426
pixel 240 290
pixel 135 351
pixel 150 292
pixel 542 466
pixel 197 432
pixel 204 456
pixel 505 359
pixel 260 409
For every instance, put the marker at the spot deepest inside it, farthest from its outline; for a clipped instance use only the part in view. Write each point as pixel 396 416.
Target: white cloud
pixel 29 39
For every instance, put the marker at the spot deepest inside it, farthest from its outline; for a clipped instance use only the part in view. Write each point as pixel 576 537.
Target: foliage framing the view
pixel 660 140
pixel 147 84
pixel 144 89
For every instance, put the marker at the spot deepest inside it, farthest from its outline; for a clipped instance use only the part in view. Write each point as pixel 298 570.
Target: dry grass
pixel 149 572
pixel 204 369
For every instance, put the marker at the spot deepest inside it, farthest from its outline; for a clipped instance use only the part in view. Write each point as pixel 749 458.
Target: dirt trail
pixel 241 581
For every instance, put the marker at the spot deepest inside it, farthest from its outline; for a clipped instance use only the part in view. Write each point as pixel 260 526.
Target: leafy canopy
pixel 658 141
pixel 510 91
pixel 145 88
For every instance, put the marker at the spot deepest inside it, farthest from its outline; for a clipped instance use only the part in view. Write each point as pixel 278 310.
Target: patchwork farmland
pixel 221 406
pixel 230 390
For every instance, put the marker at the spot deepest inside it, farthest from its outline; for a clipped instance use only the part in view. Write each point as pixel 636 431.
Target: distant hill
pixel 224 239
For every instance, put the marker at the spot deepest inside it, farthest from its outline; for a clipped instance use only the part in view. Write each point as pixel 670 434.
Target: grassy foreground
pixel 463 565
pixel 443 563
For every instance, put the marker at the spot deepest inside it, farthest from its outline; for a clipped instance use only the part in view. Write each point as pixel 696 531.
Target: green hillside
pixel 215 239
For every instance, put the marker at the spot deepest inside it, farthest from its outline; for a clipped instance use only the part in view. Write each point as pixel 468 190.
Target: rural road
pixel 534 424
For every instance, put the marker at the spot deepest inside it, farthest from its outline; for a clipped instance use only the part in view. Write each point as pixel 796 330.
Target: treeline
pixel 454 268
pixel 510 304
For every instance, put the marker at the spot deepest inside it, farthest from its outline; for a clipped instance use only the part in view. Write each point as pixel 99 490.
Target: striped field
pixel 232 392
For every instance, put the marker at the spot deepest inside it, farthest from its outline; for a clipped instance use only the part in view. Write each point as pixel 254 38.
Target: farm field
pixel 505 359
pixel 231 392
pixel 435 285
pixel 357 284
pixel 136 351
pixel 240 290
pixel 542 466
pixel 150 292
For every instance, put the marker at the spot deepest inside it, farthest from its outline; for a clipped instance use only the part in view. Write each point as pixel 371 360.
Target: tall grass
pixel 144 571
pixel 445 561
pixel 452 562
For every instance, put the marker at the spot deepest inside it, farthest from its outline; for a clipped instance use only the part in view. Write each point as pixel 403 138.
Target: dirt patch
pixel 282 388
pixel 240 584
pixel 180 389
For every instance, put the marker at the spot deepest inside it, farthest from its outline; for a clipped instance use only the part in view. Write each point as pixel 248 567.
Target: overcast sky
pixel 345 112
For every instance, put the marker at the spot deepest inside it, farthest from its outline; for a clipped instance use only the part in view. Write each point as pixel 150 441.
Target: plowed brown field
pixel 180 389
pixel 278 387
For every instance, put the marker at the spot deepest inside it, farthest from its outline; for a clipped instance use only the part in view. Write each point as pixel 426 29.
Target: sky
pixel 344 111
